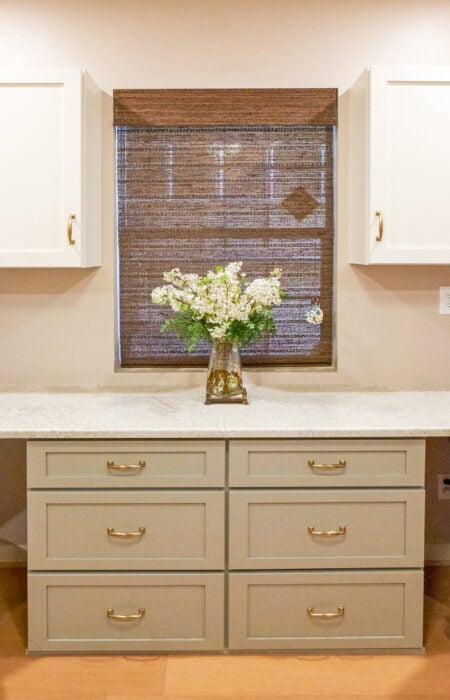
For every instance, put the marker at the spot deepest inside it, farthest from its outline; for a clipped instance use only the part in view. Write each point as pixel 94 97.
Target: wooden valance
pixel 246 107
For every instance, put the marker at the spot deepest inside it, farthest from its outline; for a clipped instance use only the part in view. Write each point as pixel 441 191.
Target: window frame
pixel 264 107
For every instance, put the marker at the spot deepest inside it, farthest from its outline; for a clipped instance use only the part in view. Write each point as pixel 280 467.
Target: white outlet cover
pixel 444 300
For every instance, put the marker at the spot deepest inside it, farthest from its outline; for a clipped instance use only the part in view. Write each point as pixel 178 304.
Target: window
pixel 206 177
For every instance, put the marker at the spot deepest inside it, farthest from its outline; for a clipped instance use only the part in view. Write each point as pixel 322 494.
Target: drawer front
pixel 352 610
pixel 125 530
pixel 69 612
pixel 327 463
pixel 121 464
pixel 330 529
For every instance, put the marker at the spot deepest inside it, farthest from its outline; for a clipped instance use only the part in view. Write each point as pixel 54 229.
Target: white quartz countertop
pixel 271 413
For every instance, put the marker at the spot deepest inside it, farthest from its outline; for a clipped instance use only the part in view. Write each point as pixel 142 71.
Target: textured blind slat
pixel 195 196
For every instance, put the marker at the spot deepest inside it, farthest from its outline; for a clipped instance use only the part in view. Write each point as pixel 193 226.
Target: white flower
pixel 159 295
pixel 264 292
pixel 220 297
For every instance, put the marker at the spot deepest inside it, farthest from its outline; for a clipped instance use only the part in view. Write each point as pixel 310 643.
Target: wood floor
pixel 246 677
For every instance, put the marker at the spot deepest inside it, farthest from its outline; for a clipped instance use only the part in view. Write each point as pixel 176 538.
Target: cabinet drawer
pixel 69 612
pixel 324 463
pixel 373 528
pixel 164 530
pixel 370 609
pixel 119 463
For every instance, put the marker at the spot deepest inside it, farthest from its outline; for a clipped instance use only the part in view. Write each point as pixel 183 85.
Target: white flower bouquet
pixel 221 306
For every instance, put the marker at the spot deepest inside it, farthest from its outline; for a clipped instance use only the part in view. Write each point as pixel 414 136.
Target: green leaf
pixel 248 332
pixel 191 329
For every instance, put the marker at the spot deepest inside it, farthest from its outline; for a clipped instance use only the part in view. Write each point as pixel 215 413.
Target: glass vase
pixel 224 380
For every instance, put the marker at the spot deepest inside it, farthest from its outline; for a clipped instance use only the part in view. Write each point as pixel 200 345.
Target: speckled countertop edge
pixel 180 413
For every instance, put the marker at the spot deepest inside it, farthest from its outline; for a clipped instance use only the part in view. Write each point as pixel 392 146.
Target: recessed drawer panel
pixel 125 530
pixel 119 463
pixel 330 529
pixel 327 463
pixel 125 612
pixel 346 610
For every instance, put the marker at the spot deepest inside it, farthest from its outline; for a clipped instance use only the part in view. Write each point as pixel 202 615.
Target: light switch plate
pixel 444 300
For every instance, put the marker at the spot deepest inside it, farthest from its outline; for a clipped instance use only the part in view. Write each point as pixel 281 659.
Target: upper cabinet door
pixel 50 132
pixel 400 166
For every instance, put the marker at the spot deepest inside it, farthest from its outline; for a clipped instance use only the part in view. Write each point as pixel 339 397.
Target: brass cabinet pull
pixel 341 463
pixel 126 467
pixel 69 229
pixel 125 618
pixel 380 225
pixel 328 616
pixel 327 533
pixel 112 533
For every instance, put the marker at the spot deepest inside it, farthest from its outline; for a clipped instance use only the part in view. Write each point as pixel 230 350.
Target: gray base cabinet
pixel 109 530
pixel 333 610
pixel 120 612
pixel 200 545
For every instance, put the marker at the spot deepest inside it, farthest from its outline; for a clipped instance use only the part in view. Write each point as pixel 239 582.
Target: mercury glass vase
pixel 224 380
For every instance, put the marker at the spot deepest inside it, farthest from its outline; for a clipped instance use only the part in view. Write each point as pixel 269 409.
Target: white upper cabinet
pixel 399 166
pixel 50 129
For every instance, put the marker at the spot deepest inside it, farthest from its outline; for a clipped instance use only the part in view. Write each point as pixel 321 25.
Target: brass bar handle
pixel 124 535
pixel 330 467
pixel 328 616
pixel 69 229
pixel 126 467
pixel 327 533
pixel 125 618
pixel 380 225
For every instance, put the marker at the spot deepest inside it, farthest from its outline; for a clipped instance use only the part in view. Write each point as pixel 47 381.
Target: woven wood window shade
pixel 207 177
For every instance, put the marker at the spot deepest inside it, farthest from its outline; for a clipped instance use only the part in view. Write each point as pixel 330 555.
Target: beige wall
pixel 437 512
pixel 57 326
pixel 13 536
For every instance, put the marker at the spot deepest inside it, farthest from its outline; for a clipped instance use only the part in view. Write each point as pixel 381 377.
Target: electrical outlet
pixel 444 300
pixel 443 486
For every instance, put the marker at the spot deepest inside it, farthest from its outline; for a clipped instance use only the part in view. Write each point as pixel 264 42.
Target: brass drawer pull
pixel 379 214
pixel 69 229
pixel 330 467
pixel 125 618
pixel 328 616
pixel 126 467
pixel 124 535
pixel 327 533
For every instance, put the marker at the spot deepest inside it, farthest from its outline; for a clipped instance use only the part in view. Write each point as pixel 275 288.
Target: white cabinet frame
pixel 50 139
pixel 399 208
